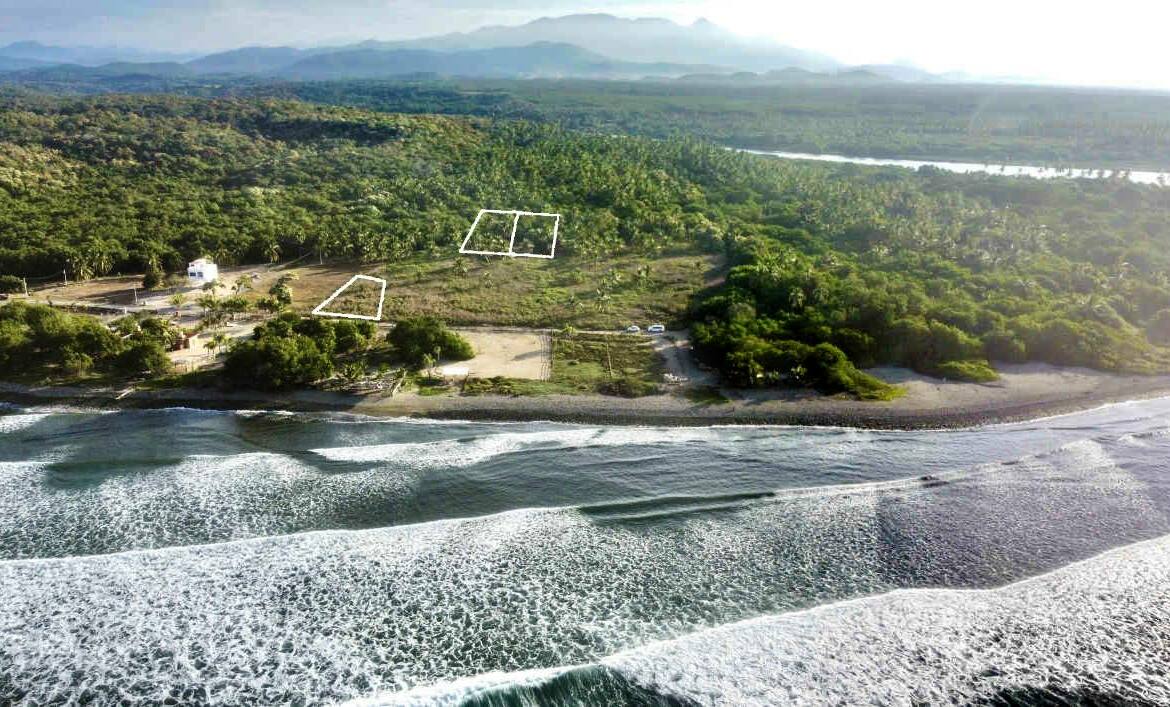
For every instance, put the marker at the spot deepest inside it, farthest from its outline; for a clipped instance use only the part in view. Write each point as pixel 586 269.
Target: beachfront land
pixel 773 279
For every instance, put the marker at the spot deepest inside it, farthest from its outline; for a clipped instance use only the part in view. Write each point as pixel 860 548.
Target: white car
pixel 633 329
pixel 656 329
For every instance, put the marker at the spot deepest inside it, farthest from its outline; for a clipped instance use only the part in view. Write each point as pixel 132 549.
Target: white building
pixel 203 271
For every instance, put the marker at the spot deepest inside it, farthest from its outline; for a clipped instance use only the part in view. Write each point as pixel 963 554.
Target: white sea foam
pixel 476 450
pixel 1096 625
pixel 199 499
pixel 20 421
pixel 339 615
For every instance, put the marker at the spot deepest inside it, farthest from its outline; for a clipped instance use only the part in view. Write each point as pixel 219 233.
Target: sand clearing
pixel 513 354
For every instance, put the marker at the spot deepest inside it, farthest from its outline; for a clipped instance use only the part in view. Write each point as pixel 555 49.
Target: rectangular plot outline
pixel 320 310
pixel 515 222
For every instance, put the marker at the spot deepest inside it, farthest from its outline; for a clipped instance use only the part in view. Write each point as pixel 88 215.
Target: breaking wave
pixel 1090 633
pixel 337 615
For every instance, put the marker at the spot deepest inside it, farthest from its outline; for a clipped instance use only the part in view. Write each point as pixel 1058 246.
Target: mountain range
pixel 573 46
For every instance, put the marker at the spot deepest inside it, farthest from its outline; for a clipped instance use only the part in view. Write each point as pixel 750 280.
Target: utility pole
pixel 25 281
pixel 65 274
pixel 132 287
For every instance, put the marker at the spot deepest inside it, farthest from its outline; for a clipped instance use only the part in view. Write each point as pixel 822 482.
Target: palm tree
pixel 796 298
pixel 177 301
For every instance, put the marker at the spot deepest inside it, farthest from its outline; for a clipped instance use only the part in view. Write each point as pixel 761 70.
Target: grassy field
pixel 587 363
pixel 589 294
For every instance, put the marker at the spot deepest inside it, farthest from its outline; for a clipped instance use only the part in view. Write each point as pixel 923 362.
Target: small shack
pixel 202 271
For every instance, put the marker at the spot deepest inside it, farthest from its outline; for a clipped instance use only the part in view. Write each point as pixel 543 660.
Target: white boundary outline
pixel 516 222
pixel 320 310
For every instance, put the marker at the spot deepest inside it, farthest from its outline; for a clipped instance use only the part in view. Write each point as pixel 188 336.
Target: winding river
pixel 1007 170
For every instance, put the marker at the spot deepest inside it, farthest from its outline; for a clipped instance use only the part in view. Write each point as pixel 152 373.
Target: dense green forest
pixel 982 123
pixel 927 269
pixel 1093 128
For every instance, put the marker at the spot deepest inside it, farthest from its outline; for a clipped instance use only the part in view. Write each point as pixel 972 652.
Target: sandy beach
pixel 1024 391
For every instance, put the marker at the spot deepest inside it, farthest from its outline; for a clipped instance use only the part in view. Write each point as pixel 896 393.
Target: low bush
pixel 10 284
pixel 973 371
pixel 628 387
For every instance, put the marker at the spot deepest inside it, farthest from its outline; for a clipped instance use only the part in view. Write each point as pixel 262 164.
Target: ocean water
pixel 207 557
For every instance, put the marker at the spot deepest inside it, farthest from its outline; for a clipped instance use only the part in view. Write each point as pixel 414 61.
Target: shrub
pixel 10 284
pixel 277 363
pixel 1158 330
pixel 143 357
pixel 320 331
pixel 153 278
pixel 416 339
pixel 830 371
pixel 973 371
pixel 628 387
pixel 1004 346
pixel 351 336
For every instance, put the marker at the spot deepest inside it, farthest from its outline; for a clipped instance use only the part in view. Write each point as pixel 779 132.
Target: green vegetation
pixel 828 268
pixel 290 352
pixel 706 395
pixel 620 365
pixel 41 343
pixel 10 284
pixel 421 342
pixel 605 292
pixel 981 123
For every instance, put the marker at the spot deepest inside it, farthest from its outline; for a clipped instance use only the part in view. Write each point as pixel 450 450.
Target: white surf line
pixel 267 539
pixel 457 690
pixel 772 496
pixel 320 310
pixel 1136 547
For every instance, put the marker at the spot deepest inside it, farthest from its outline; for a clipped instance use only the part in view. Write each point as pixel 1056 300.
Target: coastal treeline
pixel 38 341
pixel 830 267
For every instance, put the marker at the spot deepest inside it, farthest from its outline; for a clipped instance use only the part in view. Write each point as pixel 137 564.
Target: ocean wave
pixel 1097 625
pixel 475 450
pixel 1093 629
pixel 336 615
pixel 20 421
pixel 62 508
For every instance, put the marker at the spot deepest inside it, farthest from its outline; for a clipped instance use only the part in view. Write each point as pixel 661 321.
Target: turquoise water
pixel 271 558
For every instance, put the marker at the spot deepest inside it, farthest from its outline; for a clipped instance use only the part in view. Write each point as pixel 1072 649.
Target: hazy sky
pixel 1122 42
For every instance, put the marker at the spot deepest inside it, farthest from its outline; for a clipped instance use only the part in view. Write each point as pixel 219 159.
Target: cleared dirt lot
pixel 512 354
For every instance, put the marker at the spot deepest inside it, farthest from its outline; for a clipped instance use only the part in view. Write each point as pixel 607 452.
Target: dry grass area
pixel 604 293
pixel 106 290
pixel 608 293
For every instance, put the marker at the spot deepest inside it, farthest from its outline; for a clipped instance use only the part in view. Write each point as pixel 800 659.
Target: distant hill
pixel 792 77
pixel 17 64
pixel 573 46
pixel 542 59
pixel 635 40
pixel 899 72
pixel 85 56
pixel 76 72
pixel 252 60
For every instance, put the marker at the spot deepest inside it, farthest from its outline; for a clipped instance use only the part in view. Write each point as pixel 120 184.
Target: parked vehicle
pixel 656 329
pixel 633 329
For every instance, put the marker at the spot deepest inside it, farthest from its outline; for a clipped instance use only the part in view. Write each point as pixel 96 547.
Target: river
pixel 218 557
pixel 1007 170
